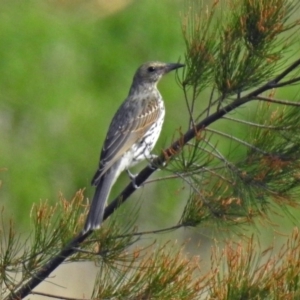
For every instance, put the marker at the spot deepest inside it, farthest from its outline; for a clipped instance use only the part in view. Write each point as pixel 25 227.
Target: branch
pixel 278 101
pixel 175 148
pixel 167 155
pixel 48 268
pixel 54 296
pixel 255 124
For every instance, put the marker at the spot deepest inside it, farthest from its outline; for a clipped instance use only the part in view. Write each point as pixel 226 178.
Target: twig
pixel 55 297
pixel 272 100
pixel 231 137
pixel 256 124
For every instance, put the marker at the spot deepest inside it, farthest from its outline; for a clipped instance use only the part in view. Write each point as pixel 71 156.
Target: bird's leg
pixel 151 158
pixel 132 178
pixel 130 175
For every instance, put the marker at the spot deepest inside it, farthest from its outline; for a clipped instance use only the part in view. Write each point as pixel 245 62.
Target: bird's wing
pixel 131 122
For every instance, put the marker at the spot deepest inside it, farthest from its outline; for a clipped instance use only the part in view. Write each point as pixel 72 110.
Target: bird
pixel 132 134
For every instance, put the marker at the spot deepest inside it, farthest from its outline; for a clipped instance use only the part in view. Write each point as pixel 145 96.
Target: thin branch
pixel 231 137
pixel 159 230
pixel 215 152
pixel 256 124
pixel 211 103
pixel 283 74
pixel 211 171
pixel 150 231
pixel 195 172
pixel 169 177
pixel 191 121
pixel 288 82
pixel 205 201
pixel 272 100
pixel 55 297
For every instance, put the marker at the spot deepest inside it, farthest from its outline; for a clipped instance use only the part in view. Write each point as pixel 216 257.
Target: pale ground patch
pixel 70 280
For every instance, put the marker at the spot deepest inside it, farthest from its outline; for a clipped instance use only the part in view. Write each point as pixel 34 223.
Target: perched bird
pixel 131 136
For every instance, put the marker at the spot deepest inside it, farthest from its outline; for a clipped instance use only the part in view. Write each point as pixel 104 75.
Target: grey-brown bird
pixel 131 136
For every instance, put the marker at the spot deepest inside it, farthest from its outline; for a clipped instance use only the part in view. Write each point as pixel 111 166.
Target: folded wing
pixel 126 130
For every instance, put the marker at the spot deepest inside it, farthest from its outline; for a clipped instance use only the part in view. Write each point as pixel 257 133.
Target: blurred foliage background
pixel 65 68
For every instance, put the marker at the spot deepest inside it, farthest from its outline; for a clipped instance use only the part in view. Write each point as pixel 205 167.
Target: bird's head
pixel 151 72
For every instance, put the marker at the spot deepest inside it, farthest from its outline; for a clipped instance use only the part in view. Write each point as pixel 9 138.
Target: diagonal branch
pixel 168 154
pixel 48 268
pixel 175 148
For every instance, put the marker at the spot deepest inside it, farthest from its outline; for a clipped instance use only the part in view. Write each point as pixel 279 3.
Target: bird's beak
pixel 172 66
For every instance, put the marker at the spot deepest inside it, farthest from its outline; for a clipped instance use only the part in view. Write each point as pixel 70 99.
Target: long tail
pixel 95 216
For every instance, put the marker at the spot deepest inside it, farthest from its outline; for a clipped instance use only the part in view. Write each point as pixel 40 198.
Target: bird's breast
pixel 142 149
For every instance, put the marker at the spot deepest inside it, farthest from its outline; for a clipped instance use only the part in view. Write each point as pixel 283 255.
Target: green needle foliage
pixel 247 273
pixel 160 273
pixel 52 226
pixel 259 170
pixel 240 49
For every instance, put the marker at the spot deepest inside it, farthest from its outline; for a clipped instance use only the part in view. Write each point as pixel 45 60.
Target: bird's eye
pixel 151 69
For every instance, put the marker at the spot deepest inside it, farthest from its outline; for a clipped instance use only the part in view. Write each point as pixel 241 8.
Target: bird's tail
pixel 96 212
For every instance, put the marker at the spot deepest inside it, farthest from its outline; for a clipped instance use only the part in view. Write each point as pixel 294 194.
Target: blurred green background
pixel 65 67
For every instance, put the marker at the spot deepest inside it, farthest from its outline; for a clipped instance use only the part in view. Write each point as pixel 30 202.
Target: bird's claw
pixel 151 166
pixel 154 166
pixel 132 178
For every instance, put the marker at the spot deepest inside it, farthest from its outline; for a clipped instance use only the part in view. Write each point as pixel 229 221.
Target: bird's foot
pixel 153 166
pixel 132 178
pixel 130 175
